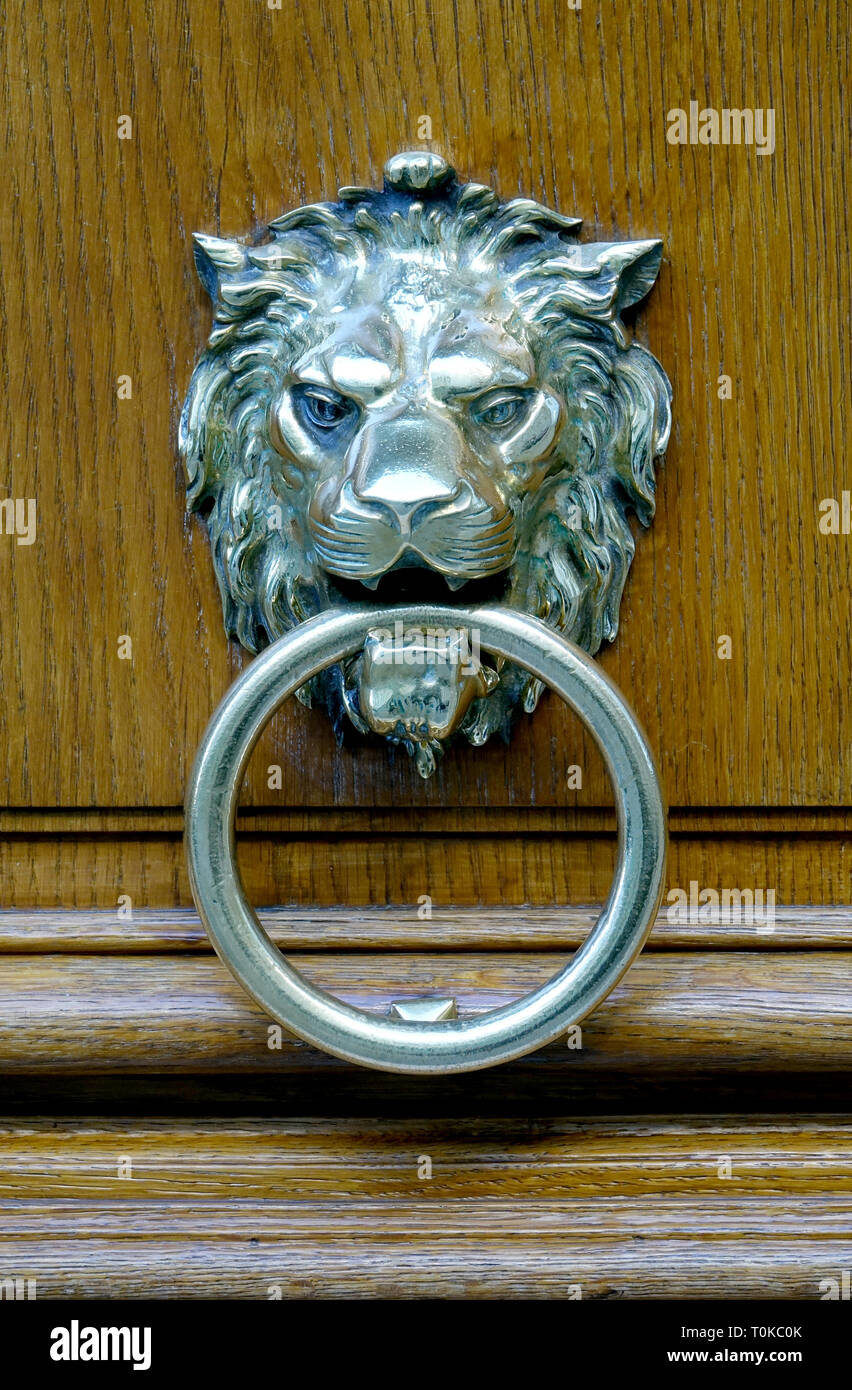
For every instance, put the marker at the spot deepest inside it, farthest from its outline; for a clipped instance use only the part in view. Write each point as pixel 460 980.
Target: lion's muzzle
pixel 412 491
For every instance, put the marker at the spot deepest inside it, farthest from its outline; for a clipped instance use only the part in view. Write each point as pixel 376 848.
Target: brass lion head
pixel 423 393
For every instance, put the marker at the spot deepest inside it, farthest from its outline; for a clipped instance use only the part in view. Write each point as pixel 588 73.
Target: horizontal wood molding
pixel 781 1259
pixel 362 869
pixel 303 1161
pixel 151 930
pixel 674 1013
pixel 660 1208
pixel 428 820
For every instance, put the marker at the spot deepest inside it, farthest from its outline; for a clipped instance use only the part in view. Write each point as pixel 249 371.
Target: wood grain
pixel 674 1014
pixel 86 871
pixel 706 821
pixel 304 1161
pixel 240 111
pixel 151 930
pixel 695 1266
pixel 324 1209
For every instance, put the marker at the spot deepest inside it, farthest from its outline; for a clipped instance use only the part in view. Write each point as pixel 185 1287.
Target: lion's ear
pixel 217 259
pixel 627 269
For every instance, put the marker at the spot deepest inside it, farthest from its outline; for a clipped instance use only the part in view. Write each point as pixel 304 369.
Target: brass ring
pixel 453 1044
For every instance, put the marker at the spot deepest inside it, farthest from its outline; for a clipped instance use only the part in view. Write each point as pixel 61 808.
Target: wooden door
pixel 127 128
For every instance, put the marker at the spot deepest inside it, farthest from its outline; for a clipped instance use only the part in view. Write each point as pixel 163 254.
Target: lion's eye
pixel 325 408
pixel 495 412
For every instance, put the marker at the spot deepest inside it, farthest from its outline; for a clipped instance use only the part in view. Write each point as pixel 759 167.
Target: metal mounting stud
pixel 429 1010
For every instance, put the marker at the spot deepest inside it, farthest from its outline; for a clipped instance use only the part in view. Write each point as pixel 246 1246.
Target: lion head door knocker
pixel 417 435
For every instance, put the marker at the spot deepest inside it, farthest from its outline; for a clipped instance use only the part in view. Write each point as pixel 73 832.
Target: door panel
pixel 239 111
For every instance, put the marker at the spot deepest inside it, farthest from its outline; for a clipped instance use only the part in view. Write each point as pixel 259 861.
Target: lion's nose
pixel 408 462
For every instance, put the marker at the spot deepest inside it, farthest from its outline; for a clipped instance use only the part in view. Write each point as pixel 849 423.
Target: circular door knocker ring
pixel 397 1044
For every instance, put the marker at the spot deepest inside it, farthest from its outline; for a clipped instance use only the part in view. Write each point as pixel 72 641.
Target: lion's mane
pixel 273 300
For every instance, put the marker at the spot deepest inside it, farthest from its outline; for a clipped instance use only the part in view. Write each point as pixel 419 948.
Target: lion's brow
pixel 461 374
pixel 353 374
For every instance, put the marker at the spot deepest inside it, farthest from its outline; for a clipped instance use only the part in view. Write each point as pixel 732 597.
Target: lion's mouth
pixel 415 683
pixel 422 585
